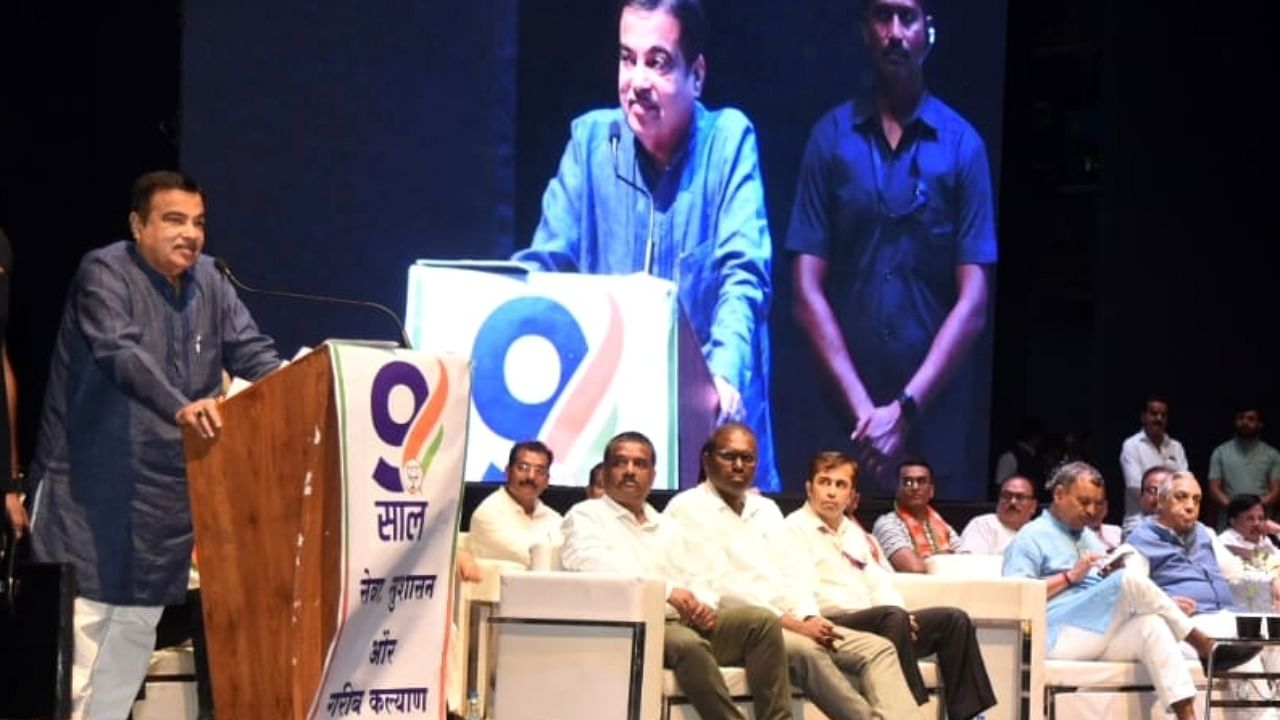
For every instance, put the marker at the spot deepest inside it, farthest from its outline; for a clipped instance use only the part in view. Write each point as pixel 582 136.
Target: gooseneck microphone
pixel 225 269
pixel 615 135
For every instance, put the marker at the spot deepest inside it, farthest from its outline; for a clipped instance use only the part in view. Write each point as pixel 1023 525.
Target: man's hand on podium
pixel 731 408
pixel 203 417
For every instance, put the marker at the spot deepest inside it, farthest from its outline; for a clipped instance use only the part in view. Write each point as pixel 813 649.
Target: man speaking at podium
pixel 667 187
pixel 147 330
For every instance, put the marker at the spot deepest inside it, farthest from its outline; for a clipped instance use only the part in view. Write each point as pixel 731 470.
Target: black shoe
pixel 1226 657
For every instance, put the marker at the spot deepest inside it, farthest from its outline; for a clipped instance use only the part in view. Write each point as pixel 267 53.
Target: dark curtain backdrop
pixel 340 141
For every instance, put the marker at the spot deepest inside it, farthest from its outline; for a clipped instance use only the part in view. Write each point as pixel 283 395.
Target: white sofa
pixel 557 632
pixel 1054 689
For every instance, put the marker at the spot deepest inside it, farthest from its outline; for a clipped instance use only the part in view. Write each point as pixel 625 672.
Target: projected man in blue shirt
pixel 665 186
pixel 894 241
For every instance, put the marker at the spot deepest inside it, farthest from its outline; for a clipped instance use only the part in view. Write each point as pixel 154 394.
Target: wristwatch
pixel 907 405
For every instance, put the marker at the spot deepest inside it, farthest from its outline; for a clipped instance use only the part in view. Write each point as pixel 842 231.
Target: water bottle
pixel 473 706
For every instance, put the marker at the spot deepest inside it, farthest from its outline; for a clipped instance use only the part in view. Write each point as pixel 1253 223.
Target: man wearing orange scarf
pixel 913 530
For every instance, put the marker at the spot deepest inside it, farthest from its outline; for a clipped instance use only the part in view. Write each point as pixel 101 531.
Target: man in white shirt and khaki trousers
pixel 621 532
pixel 738 543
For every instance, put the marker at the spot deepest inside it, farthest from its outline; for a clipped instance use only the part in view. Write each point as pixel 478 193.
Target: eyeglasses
pixel 915 481
pixel 536 470
pixel 1014 496
pixel 1151 490
pixel 730 457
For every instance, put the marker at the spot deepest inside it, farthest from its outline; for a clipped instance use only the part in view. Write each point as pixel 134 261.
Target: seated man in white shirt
pixel 513 519
pixel 621 532
pixel 913 530
pixel 1108 533
pixel 855 592
pixel 991 533
pixel 737 542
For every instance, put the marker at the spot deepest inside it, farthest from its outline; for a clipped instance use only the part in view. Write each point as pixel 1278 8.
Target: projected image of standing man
pixel 894 241
pixel 665 186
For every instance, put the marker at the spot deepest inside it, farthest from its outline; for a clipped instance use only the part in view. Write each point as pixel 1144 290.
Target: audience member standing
pixel 1245 464
pixel 1147 448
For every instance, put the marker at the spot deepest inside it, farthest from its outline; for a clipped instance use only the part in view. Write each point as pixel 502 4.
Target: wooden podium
pixel 266 502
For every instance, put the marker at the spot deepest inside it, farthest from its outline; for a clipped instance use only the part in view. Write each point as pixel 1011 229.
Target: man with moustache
pixel 1151 480
pixel 665 186
pixel 913 530
pixel 513 519
pixel 1245 464
pixel 991 533
pixel 1109 612
pixel 621 532
pixel 853 591
pixel 1147 448
pixel 148 328
pixel 738 544
pixel 1180 556
pixel 893 236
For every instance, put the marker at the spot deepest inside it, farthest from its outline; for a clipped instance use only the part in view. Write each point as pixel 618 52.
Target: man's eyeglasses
pixel 729 457
pixel 1014 497
pixel 1151 490
pixel 910 482
pixel 536 470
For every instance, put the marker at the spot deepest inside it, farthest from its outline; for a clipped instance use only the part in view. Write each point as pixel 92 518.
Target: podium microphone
pixel 615 135
pixel 225 269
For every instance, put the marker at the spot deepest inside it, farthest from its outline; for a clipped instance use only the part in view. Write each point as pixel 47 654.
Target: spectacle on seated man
pixel 1245 463
pixel 1151 480
pixel 621 532
pixel 738 544
pixel 1147 448
pixel 513 518
pixel 1179 556
pixel 1103 613
pixel 991 533
pixel 913 530
pixel 148 327
pixel 1110 535
pixel 853 591
pixel 664 186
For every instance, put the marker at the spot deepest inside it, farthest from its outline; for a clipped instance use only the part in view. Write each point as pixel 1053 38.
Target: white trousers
pixel 1146 626
pixel 113 646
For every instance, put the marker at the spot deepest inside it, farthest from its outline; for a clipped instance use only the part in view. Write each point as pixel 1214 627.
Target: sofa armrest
pixel 1010 616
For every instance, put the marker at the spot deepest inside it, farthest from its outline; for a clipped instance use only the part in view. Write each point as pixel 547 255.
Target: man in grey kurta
pixel 146 332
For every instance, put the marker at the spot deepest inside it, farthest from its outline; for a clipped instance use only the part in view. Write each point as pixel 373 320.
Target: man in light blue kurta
pixel 665 186
pixel 1099 613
